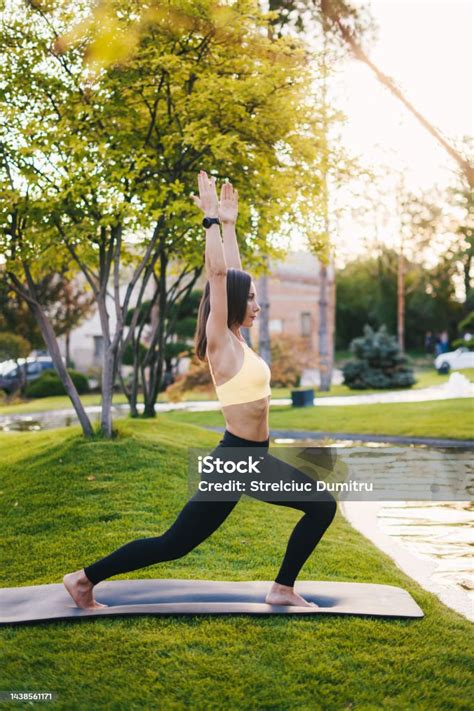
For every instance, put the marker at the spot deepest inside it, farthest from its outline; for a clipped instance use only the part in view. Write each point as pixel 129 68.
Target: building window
pixel 98 346
pixel 275 325
pixel 306 324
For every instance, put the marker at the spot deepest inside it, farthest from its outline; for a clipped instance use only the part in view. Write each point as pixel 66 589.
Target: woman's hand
pixel 228 204
pixel 207 200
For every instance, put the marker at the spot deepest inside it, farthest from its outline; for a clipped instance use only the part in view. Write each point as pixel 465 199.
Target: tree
pixel 463 198
pixel 293 17
pixel 180 325
pixel 62 297
pixel 367 294
pixel 99 165
pixel 342 17
pixel 70 306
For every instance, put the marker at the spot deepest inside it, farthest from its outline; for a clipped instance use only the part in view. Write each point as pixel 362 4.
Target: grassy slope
pixel 442 418
pixel 425 378
pixel 56 519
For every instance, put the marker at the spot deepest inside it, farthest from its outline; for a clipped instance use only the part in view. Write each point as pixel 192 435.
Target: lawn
pixel 425 378
pixel 438 418
pixel 67 501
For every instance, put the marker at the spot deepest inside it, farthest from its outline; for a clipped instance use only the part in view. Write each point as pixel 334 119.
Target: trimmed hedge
pixel 49 384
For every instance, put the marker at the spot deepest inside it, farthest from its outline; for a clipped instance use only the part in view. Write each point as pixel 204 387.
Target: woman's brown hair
pixel 238 288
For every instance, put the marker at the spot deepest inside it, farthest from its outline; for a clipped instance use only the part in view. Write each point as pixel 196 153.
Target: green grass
pixel 425 378
pixel 57 518
pixel 439 418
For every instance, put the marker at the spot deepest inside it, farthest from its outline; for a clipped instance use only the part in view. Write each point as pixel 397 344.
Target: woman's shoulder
pixel 225 355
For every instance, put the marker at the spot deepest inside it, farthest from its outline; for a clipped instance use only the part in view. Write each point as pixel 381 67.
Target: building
pixel 293 294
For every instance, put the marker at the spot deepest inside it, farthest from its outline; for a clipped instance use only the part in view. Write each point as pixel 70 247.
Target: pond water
pixel 67 418
pixel 431 540
pixel 52 419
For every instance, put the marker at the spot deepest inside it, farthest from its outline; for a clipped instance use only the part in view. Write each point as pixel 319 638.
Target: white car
pixel 455 360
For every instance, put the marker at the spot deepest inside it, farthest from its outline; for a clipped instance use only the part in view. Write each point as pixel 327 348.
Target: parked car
pixel 454 360
pixel 10 377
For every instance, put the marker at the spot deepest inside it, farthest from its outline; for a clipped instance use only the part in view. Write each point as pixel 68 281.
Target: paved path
pixel 306 434
pixel 50 419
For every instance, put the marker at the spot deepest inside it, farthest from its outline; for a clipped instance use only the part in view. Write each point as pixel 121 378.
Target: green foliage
pixel 49 384
pixel 127 358
pixel 367 294
pixel 13 347
pixel 379 362
pixel 124 148
pixel 172 350
pixel 465 326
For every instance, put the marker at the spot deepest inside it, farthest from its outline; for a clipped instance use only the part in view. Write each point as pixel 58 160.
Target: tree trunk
pixel 68 350
pixel 155 355
pixel 467 280
pixel 263 318
pixel 107 383
pixel 324 356
pixel 53 349
pixel 23 382
pixel 324 359
pixel 108 368
pixel 401 301
pixel 29 294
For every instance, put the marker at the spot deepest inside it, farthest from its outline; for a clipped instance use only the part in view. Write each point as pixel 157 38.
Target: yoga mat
pixel 36 603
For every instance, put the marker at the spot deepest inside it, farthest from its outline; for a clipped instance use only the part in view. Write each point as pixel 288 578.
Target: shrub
pixel 197 377
pixel 379 362
pixel 49 384
pixel 289 357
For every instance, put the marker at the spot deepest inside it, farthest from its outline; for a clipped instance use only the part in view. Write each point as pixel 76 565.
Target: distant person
pixel 438 344
pixel 444 341
pixel 429 343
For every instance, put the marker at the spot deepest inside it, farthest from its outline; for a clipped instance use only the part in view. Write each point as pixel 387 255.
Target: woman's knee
pixel 325 507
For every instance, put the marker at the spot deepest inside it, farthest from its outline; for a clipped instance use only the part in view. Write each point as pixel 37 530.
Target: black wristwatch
pixel 208 221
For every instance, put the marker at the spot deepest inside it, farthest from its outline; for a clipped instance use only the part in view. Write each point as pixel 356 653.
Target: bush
pixel 197 377
pixel 379 363
pixel 289 357
pixel 49 384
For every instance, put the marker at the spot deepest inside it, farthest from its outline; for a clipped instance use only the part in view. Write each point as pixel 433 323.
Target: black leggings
pixel 200 518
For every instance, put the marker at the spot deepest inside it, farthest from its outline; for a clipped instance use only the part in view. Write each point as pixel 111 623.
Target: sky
pixel 427 47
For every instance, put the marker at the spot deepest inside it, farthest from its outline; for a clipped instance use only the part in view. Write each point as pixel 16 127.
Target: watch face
pixel 208 221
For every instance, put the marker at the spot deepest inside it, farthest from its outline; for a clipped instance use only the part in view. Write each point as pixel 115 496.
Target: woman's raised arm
pixel 207 202
pixel 216 267
pixel 228 210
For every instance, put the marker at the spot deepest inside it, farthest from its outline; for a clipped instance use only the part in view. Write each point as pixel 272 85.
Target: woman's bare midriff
pixel 248 420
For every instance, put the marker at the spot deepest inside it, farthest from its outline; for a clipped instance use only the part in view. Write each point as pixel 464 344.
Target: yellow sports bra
pixel 251 382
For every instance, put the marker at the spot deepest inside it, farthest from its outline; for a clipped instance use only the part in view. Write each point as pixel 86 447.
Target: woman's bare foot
pixel 80 588
pixel 285 595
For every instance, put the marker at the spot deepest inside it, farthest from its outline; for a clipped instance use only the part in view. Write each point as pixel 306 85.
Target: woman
pixel 242 382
